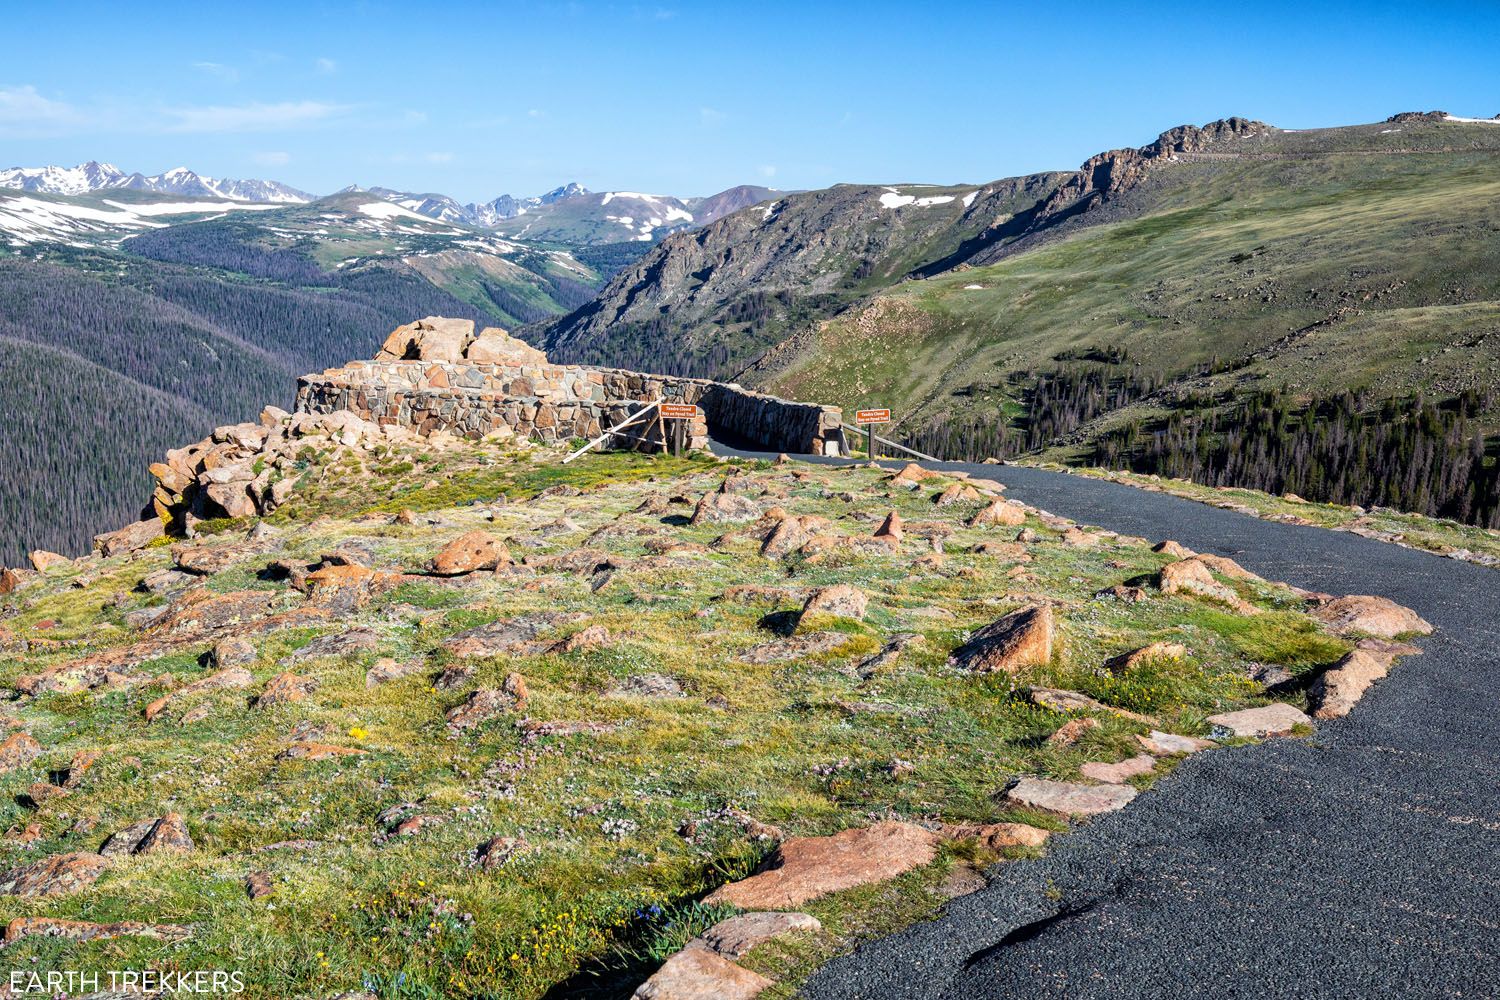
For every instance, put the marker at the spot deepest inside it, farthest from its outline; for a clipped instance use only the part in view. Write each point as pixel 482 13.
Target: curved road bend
pixel 1362 863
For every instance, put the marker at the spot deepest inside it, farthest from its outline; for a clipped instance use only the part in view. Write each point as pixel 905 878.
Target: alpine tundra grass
pixel 627 775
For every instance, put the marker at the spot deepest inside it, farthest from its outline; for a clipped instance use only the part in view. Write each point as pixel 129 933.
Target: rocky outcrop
pixel 242 470
pixel 1020 639
pixel 54 876
pixel 438 338
pixel 1111 173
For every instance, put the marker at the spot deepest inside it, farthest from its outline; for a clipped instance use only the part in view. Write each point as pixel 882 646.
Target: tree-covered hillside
pixel 104 371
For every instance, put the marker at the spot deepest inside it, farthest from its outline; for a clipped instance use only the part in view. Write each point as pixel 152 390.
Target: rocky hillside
pixel 728 293
pixel 457 720
pixel 711 301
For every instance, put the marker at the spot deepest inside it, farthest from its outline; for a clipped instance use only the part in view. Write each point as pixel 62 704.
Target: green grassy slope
pixel 1313 274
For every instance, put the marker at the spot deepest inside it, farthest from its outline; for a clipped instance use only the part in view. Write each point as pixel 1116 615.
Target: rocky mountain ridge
pixel 755 276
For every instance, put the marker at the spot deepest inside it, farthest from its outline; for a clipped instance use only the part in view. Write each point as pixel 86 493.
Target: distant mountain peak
pixel 96 176
pixel 572 189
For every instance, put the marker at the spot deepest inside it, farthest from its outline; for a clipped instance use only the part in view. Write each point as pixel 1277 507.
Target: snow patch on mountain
pixel 895 199
pixel 33 220
pixel 387 210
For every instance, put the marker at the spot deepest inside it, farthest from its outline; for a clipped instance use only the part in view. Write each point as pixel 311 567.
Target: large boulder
pixel 805 868
pixel 1020 639
pixel 435 338
pixel 722 507
pixel 220 680
pixel 485 704
pixel 18 750
pixel 1194 575
pixel 42 560
pixel 130 538
pixel 842 599
pixel 1370 615
pixel 469 553
pixel 1000 514
pixel 494 346
pixel 285 688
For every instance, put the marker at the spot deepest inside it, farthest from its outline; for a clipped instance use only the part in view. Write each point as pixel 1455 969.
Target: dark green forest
pixel 1419 455
pixel 103 371
pixel 1412 455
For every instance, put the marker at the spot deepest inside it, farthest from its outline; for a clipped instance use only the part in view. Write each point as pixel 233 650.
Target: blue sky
pixel 479 99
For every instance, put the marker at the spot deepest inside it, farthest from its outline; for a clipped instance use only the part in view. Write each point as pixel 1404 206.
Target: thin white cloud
pixel 325 66
pixel 24 113
pixel 437 157
pixel 536 113
pixel 219 71
pixel 250 117
pixel 274 158
pixel 767 170
pixel 711 116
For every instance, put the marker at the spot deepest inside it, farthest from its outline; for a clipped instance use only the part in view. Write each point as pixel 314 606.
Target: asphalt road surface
pixel 1362 863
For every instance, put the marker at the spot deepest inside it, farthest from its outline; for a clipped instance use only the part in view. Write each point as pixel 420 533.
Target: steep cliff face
pixel 1108 174
pixel 712 301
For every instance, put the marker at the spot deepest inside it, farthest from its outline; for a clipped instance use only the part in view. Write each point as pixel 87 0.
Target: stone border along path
pixel 1358 863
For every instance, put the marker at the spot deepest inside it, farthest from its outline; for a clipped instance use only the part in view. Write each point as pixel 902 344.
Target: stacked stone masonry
pixel 558 402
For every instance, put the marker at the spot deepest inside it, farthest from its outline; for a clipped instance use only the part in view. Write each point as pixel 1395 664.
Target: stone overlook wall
pixel 557 402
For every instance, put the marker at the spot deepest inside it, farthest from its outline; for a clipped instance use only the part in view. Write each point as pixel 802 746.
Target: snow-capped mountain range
pixel 96 176
pixel 486 215
pixel 567 214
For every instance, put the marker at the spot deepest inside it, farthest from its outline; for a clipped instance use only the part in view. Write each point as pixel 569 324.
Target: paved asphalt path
pixel 1362 863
